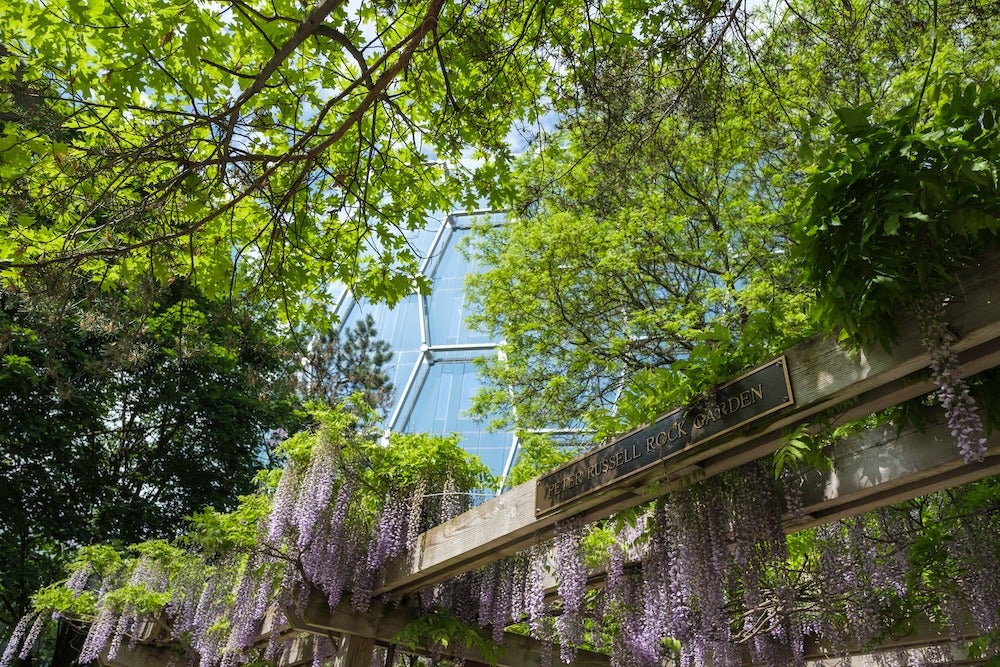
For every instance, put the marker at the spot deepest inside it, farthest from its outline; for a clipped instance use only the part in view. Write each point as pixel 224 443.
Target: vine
pixel 703 575
pixel 881 189
pixel 895 210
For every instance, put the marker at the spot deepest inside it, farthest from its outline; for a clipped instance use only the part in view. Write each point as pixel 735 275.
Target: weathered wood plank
pixel 879 467
pixel 156 648
pixel 140 655
pixel 924 643
pixel 297 654
pixel 874 469
pixel 823 375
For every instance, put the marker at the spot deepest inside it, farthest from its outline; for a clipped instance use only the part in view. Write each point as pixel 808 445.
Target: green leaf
pixel 855 120
pixel 891 226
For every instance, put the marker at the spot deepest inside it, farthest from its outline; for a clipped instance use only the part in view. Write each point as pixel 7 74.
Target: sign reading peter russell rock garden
pixel 757 393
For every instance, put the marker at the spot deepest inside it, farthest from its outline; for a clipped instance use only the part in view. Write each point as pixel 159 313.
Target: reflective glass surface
pixel 433 374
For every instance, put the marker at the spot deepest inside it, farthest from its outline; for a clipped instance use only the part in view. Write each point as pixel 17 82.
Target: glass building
pixel 433 374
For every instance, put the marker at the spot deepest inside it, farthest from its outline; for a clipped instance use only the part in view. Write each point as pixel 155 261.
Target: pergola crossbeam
pixel 382 624
pixel 823 376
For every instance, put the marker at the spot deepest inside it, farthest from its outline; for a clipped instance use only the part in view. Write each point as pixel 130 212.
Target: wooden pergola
pixel 874 469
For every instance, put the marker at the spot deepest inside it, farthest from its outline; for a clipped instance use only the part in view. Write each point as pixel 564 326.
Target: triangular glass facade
pixel 433 373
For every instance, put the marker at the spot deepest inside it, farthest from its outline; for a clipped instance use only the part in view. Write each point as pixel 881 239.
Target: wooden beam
pixel 156 649
pixel 881 467
pixel 922 651
pixel 925 637
pixel 382 624
pixel 870 470
pixel 141 655
pixel 823 376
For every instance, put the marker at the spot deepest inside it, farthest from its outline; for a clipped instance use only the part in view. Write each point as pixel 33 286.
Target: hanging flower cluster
pixel 953 390
pixel 24 637
pixel 927 558
pixel 704 576
pixel 572 586
pixel 341 509
pixel 707 553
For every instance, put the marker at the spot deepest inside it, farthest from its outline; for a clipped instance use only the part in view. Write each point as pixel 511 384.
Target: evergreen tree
pixel 335 368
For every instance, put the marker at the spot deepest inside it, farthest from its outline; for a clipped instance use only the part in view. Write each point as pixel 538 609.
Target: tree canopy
pixel 259 149
pixel 263 150
pixel 704 183
pixel 656 247
pixel 120 419
pixel 335 369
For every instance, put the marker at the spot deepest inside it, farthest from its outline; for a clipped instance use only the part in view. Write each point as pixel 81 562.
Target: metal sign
pixel 751 396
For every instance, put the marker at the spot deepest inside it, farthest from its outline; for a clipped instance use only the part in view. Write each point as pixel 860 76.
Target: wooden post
pixel 354 651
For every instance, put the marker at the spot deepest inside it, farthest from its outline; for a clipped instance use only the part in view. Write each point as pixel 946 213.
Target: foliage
pixel 261 150
pixel 414 459
pixel 649 257
pixel 650 306
pixel 801 449
pixel 808 444
pixel 214 532
pixel 48 395
pixel 123 412
pixel 537 453
pixel 924 179
pixel 440 631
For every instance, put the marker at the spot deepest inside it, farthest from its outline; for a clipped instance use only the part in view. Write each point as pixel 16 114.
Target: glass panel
pixel 442 406
pixel 447 305
pixel 462 354
pixel 400 326
pixel 442 391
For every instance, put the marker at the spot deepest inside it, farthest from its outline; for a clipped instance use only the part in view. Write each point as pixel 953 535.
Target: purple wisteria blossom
pixel 36 629
pixel 17 637
pixel 451 502
pixel 322 649
pixel 282 504
pixel 572 578
pixel 953 391
pixel 487 591
pixel 100 632
pixel 503 598
pixel 315 491
pixel 534 594
pixel 77 581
